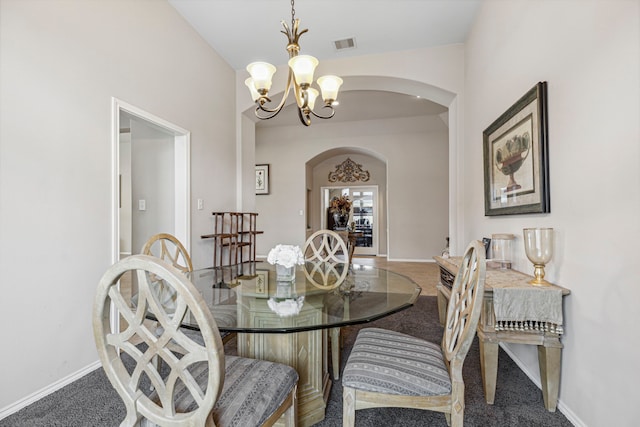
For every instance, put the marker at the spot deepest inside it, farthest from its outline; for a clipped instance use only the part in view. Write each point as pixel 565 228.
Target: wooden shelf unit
pixel 234 240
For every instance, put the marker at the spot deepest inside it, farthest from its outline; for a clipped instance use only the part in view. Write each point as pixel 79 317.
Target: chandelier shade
pixel 252 88
pixel 261 75
pixel 301 71
pixel 303 67
pixel 330 85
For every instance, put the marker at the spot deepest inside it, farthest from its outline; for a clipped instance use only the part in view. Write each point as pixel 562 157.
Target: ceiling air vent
pixel 343 44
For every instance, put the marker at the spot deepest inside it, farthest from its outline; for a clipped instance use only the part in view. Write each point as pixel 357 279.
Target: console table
pixel 491 333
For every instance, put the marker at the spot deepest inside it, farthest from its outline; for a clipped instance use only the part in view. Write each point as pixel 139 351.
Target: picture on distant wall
pixel 262 283
pixel 516 170
pixel 262 179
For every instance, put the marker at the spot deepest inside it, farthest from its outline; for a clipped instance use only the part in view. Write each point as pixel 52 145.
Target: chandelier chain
pixel 293 13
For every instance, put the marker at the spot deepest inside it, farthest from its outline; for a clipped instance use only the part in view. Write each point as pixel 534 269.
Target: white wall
pixel 61 62
pixel 589 53
pixel 415 150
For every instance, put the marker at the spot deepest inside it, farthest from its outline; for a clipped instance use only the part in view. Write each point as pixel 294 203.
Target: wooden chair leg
pixel 290 417
pixel 348 407
pixel 457 419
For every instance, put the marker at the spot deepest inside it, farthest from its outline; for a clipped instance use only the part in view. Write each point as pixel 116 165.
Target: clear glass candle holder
pixel 538 245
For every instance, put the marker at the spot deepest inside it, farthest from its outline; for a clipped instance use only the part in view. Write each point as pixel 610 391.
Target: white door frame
pixel 182 140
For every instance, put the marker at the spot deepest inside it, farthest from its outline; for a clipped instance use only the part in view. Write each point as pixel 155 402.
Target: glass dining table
pixel 287 321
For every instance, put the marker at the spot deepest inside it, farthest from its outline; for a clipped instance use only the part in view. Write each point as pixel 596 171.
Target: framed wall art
pixel 516 164
pixel 262 179
pixel 262 283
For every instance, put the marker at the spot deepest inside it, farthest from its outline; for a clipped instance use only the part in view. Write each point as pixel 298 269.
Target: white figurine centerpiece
pixel 285 258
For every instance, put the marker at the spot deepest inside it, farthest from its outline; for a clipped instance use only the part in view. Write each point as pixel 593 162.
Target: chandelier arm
pixel 324 117
pixel 304 117
pixel 276 110
pixel 265 117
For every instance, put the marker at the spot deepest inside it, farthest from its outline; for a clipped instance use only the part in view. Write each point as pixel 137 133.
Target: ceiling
pixel 243 31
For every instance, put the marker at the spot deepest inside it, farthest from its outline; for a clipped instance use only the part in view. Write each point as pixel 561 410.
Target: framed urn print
pixel 516 164
pixel 262 179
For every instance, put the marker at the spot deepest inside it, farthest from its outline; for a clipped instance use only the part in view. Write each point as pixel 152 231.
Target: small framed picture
pixel 516 159
pixel 262 179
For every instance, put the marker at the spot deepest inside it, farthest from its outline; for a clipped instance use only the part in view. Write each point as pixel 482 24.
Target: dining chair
pixel 167 247
pixel 326 266
pixel 391 369
pixel 199 387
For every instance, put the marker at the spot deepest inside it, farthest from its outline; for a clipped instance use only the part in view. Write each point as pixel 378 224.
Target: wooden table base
pixel 307 353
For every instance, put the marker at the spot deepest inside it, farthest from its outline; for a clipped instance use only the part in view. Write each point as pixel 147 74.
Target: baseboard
pixel 410 260
pixel 34 397
pixel 566 411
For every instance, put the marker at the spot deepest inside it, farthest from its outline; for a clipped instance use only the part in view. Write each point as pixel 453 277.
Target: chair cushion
pixel 253 390
pixel 394 363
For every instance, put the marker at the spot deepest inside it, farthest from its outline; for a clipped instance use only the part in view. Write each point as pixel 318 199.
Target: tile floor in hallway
pixel 425 274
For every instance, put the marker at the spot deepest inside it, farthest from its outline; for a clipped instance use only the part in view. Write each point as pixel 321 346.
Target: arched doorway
pixel 362 176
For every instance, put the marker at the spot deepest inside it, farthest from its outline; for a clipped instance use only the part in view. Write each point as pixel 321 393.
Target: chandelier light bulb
pixel 252 88
pixel 303 67
pixel 329 85
pixel 312 94
pixel 261 73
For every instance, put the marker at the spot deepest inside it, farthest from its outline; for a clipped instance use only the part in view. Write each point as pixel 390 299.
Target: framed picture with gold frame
pixel 516 159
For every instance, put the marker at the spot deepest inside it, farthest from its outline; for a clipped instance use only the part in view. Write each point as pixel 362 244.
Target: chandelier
pixel 301 68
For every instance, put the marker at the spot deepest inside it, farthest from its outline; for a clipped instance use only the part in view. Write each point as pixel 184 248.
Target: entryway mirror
pixel 363 218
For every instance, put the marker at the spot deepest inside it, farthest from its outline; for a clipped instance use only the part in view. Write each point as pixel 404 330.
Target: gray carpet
pixel 91 401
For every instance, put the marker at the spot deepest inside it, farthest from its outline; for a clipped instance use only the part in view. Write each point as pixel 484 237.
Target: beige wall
pixel 416 154
pixel 61 62
pixel 589 53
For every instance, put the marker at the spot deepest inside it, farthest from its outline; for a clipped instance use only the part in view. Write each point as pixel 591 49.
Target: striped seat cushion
pixel 394 363
pixel 253 390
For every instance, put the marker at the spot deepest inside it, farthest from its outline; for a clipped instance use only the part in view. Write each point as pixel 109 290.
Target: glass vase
pixel 285 274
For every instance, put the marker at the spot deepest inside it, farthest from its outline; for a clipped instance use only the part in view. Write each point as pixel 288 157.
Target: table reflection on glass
pixel 287 322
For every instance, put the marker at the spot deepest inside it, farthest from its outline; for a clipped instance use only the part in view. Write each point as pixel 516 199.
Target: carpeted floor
pixel 92 402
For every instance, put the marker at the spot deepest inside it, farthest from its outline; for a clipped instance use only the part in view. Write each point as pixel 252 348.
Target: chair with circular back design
pixel 198 387
pixel 326 267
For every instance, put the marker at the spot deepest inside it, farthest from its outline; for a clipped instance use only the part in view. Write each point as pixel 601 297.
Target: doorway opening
pixel 363 218
pixel 176 158
pixel 168 198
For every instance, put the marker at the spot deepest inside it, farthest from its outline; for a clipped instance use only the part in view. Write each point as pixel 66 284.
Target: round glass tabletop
pixel 319 296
